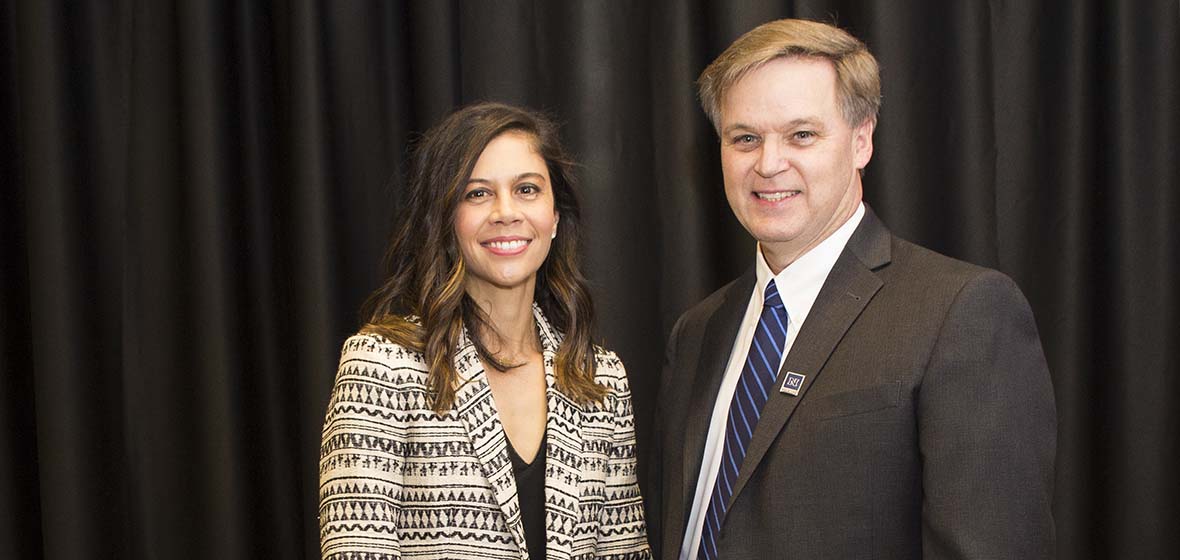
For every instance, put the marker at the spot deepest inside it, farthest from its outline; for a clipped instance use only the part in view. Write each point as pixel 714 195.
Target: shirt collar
pixel 799 283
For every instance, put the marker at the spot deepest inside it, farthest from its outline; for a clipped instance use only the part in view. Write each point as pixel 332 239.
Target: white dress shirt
pixel 798 285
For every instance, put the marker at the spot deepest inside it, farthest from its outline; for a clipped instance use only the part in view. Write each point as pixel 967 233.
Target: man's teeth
pixel 777 196
pixel 508 245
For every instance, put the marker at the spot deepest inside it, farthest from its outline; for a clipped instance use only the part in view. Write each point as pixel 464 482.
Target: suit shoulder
pixel 706 307
pixel 938 276
pixel 928 267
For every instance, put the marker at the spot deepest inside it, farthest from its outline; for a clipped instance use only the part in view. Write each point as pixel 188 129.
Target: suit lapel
pixel 717 343
pixel 563 453
pixel 475 408
pixel 848 289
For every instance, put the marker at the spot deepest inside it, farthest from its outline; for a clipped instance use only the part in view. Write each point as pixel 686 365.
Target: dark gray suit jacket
pixel 925 427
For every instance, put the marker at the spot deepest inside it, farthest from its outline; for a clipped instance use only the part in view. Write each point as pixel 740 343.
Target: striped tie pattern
pixel 752 390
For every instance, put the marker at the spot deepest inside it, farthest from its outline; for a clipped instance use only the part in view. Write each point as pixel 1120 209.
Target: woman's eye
pixel 528 189
pixel 476 194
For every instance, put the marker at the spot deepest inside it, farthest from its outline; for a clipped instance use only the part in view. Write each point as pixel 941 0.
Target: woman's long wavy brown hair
pixel 425 272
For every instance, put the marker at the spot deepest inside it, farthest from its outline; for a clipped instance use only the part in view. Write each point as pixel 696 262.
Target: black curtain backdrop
pixel 196 196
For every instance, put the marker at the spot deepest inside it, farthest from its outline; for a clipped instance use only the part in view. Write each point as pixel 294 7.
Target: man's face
pixel 789 158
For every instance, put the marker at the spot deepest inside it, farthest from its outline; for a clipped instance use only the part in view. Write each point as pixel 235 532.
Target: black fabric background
pixel 196 195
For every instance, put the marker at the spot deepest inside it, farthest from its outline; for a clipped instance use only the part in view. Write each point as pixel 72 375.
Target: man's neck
pixel 780 255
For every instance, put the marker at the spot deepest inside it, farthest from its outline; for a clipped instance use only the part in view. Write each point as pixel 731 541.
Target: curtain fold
pixel 196 197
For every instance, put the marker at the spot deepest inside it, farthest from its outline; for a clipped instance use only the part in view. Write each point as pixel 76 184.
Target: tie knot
pixel 771 297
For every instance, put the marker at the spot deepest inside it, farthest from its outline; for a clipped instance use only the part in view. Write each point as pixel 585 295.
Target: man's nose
pixel 772 159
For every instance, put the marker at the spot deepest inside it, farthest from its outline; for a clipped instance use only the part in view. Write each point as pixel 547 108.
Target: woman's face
pixel 506 218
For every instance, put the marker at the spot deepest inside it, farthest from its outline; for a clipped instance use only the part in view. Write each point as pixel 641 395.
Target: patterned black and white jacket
pixel 400 481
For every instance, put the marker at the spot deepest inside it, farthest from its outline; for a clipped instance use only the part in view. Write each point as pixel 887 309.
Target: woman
pixel 472 417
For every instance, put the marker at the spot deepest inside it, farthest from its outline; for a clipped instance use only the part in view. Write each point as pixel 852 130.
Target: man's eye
pixel 745 139
pixel 805 135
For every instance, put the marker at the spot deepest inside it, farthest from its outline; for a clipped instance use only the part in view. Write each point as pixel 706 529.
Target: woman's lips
pixel 506 246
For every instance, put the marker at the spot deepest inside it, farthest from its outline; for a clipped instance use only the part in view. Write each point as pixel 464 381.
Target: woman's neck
pixel 510 314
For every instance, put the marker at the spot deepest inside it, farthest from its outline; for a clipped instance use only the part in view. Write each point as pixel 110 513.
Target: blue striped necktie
pixel 753 388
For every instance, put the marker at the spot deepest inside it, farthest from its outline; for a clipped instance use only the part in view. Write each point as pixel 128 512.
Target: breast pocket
pixel 854 402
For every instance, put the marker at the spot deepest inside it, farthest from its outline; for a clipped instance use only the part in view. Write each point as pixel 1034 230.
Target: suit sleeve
pixel 653 471
pixel 360 476
pixel 622 532
pixel 987 430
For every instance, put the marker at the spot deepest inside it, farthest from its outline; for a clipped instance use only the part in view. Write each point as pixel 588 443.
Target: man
pixel 852 395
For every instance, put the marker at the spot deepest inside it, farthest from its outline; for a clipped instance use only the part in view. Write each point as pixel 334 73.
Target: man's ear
pixel 862 143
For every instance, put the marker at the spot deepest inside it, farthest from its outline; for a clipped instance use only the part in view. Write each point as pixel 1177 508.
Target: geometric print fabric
pixel 400 481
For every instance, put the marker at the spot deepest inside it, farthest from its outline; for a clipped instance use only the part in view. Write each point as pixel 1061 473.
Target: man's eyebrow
pixel 812 121
pixel 807 121
pixel 733 127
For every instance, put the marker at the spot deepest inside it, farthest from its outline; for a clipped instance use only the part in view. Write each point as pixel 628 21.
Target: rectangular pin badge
pixel 793 383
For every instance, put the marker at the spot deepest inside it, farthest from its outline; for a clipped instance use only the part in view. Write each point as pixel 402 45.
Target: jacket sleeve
pixel 987 430
pixel 653 469
pixel 622 533
pixel 360 468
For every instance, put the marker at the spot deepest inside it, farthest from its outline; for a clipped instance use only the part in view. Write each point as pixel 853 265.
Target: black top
pixel 530 492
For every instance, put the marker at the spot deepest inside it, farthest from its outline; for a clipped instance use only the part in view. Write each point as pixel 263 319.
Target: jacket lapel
pixel 718 340
pixel 474 407
pixel 563 453
pixel 848 289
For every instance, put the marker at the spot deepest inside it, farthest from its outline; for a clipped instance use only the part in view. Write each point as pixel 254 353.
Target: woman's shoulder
pixel 379 380
pixel 367 340
pixel 609 369
pixel 372 346
pixel 380 368
pixel 388 335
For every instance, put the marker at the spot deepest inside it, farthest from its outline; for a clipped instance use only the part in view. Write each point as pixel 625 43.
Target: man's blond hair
pixel 858 79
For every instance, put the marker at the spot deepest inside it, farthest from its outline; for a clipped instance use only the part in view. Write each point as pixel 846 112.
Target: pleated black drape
pixel 196 195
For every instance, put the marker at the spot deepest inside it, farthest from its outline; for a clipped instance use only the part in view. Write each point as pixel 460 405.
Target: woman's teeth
pixel 508 245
